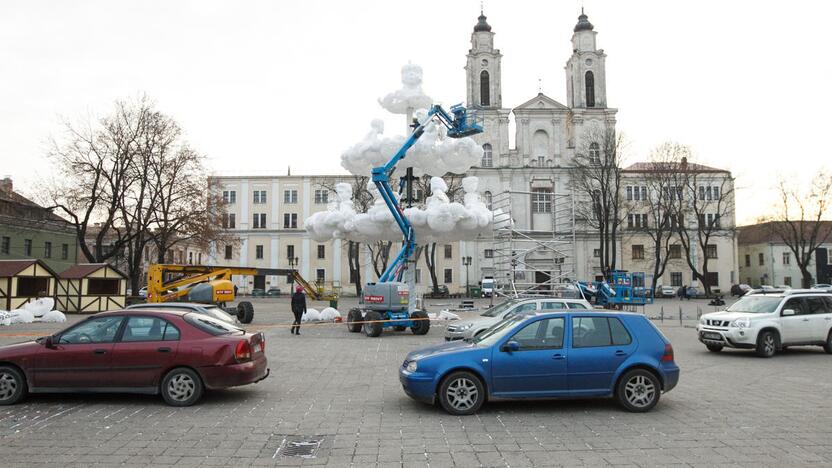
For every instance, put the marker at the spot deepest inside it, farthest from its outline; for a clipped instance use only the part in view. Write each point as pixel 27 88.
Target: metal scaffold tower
pixel 534 249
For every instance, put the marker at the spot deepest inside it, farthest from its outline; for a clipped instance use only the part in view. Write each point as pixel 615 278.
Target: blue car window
pixel 620 335
pixel 542 334
pixel 589 332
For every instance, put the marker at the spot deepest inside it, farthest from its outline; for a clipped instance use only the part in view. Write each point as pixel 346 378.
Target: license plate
pixel 711 336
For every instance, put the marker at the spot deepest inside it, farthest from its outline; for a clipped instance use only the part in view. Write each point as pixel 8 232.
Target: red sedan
pixel 175 353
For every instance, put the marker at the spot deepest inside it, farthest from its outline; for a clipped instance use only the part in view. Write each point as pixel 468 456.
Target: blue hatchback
pixel 571 354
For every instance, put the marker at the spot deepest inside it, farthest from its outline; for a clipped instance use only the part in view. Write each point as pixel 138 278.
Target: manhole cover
pixel 299 446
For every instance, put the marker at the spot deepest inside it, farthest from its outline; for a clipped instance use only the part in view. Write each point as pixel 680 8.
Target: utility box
pixel 386 296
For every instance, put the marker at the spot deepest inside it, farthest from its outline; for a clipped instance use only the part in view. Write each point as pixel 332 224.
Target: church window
pixel 488 199
pixel 485 89
pixel 589 80
pixel 541 200
pixel 594 154
pixel 487 156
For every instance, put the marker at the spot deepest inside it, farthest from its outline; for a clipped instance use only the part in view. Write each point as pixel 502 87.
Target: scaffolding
pixel 534 243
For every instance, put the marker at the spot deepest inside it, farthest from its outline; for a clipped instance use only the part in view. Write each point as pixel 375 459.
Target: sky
pixel 260 86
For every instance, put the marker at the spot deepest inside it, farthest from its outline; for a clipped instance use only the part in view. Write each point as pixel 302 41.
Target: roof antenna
pixel 481 7
pixel 540 86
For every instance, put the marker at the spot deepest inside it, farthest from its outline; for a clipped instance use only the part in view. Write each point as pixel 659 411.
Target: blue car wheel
pixel 461 393
pixel 639 390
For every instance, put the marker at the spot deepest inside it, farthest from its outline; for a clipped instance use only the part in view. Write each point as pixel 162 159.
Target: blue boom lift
pixel 384 304
pixel 619 292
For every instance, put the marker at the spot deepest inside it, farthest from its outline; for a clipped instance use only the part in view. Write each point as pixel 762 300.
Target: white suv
pixel 770 321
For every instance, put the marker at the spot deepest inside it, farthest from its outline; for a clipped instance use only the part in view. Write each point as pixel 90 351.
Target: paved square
pixel 341 390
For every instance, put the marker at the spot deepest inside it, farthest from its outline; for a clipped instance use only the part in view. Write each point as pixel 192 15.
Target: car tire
pixel 638 391
pixel 422 325
pixel 13 386
pixel 767 344
pixel 828 345
pixel 461 393
pixel 354 319
pixel 714 348
pixel 181 387
pixel 374 328
pixel 245 312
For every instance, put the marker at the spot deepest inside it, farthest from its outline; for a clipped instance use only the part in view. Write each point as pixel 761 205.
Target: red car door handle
pixel 100 351
pixel 163 350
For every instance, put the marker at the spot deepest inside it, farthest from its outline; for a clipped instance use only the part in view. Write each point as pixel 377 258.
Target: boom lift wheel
pixel 374 328
pixel 420 327
pixel 353 316
pixel 245 312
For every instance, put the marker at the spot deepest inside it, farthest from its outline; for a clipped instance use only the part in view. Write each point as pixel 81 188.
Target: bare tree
pixel 597 179
pixel 703 212
pixel 798 223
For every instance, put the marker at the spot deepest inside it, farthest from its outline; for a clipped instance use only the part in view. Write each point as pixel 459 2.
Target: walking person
pixel 298 308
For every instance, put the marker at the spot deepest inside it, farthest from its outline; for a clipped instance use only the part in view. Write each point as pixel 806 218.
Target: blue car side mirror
pixel 511 346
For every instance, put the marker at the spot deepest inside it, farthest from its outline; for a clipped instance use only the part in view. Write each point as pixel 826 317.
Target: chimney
pixel 684 162
pixel 6 185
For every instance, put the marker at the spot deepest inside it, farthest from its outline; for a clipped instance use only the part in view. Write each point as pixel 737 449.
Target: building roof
pixel 16 205
pixel 672 167
pixel 82 270
pixel 482 25
pixel 10 268
pixel 583 23
pixel 763 233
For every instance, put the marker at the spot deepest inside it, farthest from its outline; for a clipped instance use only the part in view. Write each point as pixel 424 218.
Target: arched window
pixel 488 199
pixel 487 156
pixel 589 82
pixel 594 154
pixel 485 89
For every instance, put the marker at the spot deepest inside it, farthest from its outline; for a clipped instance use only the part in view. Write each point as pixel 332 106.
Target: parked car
pixel 570 353
pixel 257 292
pixel 143 292
pixel 739 290
pixel 822 286
pixel 206 309
pixel 472 327
pixel 176 353
pixel 273 292
pixel 768 321
pixel 667 291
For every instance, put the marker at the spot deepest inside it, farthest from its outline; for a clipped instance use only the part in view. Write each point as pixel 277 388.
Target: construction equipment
pixel 385 304
pixel 623 289
pixel 212 285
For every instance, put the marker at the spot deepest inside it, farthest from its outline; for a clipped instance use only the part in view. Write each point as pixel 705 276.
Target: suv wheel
pixel 638 391
pixel 766 344
pixel 714 348
pixel 461 393
pixel 828 345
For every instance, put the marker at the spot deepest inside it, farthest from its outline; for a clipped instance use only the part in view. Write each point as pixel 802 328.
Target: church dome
pixel 583 23
pixel 482 25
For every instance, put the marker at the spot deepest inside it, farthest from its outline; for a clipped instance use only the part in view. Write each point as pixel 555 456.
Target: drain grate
pixel 299 446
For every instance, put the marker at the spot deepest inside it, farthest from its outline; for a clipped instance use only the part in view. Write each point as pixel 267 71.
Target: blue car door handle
pixel 620 353
pixel 558 357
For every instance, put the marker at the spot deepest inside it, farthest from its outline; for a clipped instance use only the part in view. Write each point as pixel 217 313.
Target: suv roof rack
pixel 786 292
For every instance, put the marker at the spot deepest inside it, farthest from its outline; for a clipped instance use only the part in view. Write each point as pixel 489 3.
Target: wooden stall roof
pixel 82 270
pixel 9 268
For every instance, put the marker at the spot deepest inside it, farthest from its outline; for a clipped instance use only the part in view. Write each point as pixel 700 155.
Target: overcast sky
pixel 259 86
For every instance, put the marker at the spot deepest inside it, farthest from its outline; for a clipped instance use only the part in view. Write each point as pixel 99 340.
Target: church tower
pixel 585 70
pixel 483 82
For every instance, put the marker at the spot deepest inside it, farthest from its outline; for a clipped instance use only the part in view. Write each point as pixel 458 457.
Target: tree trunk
pixel 353 250
pixel 430 261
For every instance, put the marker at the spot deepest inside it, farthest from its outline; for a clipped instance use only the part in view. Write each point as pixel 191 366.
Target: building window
pixel 487 156
pixel 637 221
pixel 636 193
pixel 27 247
pixel 676 278
pixel 229 196
pixel 320 275
pixel 232 221
pixel 489 200
pixel 64 251
pixel 596 253
pixel 489 253
pixel 290 251
pixel 449 276
pixel 589 82
pixel 259 221
pixel 710 251
pixel 485 89
pixel 448 251
pixel 747 260
pixel 761 258
pixel 321 196
pixel 786 258
pixel 290 196
pixel 541 200
pixel 321 251
pixel 712 278
pixel 675 251
pixel 787 280
pixel 5 245
pixel 258 252
pixel 594 154
pixel 47 250
pixel 638 252
pixel 190 258
pixel 290 220
pixel 259 196
pixel 418 275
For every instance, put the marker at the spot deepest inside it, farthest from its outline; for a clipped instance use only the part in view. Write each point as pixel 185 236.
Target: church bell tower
pixel 585 70
pixel 483 72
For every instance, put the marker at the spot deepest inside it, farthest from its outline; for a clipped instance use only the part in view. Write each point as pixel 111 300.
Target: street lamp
pixel 466 261
pixel 293 262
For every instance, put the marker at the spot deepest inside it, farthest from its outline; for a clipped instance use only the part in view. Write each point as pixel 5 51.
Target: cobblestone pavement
pixel 730 409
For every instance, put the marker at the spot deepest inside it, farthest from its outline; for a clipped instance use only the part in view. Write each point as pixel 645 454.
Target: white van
pixel 487 287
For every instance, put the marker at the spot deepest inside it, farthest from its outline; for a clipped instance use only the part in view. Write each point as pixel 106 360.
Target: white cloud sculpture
pixel 410 97
pixel 440 219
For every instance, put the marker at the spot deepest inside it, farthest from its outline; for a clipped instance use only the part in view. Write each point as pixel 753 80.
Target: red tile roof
pixel 13 267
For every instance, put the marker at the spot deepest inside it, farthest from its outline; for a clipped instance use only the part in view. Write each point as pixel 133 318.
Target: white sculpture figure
pixel 410 96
